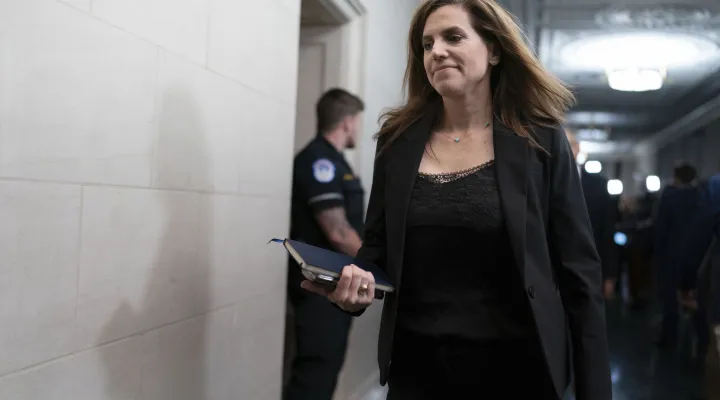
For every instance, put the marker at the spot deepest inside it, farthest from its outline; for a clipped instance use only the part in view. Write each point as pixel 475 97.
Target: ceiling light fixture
pixel 592 134
pixel 615 187
pixel 636 79
pixel 642 50
pixel 677 16
pixel 652 183
pixel 593 167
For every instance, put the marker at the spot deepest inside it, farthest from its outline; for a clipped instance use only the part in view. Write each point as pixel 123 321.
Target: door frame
pixel 344 11
pixel 342 45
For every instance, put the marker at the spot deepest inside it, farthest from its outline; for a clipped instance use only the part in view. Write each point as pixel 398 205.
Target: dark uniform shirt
pixel 323 179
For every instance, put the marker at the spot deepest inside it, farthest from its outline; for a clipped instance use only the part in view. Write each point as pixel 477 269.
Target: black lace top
pixel 459 277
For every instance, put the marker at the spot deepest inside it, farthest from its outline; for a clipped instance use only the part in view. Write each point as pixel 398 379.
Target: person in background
pixel 636 255
pixel 677 205
pixel 700 283
pixel 602 209
pixel 327 211
pixel 476 213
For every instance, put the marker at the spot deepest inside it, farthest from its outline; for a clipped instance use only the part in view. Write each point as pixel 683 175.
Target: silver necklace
pixel 457 138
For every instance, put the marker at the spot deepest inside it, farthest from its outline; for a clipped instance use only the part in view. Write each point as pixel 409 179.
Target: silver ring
pixel 363 290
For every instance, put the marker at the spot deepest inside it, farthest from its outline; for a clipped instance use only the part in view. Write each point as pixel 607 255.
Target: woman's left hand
pixel 354 291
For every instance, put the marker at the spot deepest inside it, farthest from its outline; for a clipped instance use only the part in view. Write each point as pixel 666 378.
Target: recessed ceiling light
pixel 652 183
pixel 593 167
pixel 615 187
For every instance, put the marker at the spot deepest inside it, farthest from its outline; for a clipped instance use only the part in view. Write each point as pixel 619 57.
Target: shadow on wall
pixel 176 292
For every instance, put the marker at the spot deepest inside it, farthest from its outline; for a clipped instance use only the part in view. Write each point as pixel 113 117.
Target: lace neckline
pixel 445 177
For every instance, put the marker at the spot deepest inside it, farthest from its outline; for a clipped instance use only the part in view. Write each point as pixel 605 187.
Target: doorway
pixel 330 55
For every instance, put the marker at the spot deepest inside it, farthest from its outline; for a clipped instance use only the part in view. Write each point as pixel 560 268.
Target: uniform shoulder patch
pixel 323 170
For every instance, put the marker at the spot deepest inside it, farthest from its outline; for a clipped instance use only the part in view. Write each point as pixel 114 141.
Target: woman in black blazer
pixel 477 213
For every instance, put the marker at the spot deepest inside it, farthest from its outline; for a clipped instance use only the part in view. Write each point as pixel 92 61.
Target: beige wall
pixel 145 158
pixel 384 60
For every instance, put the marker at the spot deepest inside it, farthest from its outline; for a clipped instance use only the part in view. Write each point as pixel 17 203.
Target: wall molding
pixel 344 11
pixel 691 122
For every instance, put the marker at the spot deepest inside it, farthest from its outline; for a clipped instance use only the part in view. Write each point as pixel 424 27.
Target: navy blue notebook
pixel 330 263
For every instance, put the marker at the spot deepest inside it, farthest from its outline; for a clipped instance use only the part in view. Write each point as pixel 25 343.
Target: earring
pixel 493 62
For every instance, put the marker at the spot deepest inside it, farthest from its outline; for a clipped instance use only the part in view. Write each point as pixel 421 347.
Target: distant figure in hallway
pixel 700 284
pixel 327 211
pixel 602 209
pixel 678 203
pixel 477 213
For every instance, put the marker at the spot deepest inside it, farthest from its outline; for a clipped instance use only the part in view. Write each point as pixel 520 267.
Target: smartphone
pixel 331 281
pixel 318 278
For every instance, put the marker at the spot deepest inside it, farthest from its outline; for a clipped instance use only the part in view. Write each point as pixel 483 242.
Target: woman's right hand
pixel 354 291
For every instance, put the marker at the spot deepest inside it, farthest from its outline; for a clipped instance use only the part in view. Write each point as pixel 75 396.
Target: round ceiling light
pixel 593 167
pixel 652 183
pixel 646 50
pixel 615 187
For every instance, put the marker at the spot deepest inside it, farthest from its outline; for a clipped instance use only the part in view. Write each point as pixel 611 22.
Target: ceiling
pixel 315 13
pixel 323 13
pixel 563 31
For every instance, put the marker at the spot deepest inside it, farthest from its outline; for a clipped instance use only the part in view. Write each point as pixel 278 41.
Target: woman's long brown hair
pixel 523 92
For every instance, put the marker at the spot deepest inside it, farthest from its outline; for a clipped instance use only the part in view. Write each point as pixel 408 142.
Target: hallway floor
pixel 639 370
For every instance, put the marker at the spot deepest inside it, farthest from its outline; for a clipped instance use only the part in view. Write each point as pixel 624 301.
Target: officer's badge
pixel 323 170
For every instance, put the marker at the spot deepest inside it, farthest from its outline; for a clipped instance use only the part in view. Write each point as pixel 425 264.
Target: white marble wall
pixel 145 160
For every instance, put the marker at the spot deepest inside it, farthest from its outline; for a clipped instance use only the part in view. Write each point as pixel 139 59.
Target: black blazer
pixel 602 209
pixel 552 243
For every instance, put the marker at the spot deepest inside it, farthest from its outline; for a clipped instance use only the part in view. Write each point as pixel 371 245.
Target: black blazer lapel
pixel 511 161
pixel 401 170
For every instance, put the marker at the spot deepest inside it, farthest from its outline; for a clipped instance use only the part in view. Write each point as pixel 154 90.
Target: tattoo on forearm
pixel 341 234
pixel 335 221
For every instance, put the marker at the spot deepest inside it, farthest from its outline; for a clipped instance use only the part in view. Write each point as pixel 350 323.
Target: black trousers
pixel 321 335
pixel 428 369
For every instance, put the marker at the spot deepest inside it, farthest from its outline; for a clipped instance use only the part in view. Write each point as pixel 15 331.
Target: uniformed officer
pixel 327 211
